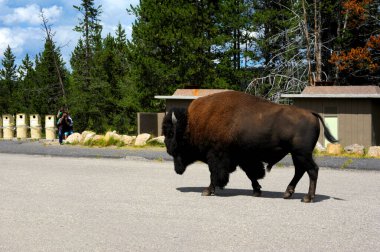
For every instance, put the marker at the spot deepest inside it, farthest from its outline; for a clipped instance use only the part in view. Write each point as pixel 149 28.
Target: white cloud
pixel 31 14
pixel 20 24
pixel 31 40
pixel 22 41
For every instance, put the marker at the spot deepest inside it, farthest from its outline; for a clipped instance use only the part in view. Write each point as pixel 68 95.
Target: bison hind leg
pixel 303 162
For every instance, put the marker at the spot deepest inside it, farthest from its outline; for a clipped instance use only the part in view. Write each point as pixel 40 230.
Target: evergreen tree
pixel 48 90
pixel 122 98
pixel 8 81
pixel 179 43
pixel 87 86
pixel 25 67
pixel 23 95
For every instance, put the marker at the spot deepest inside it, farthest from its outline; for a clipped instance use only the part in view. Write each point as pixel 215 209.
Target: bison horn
pixel 174 119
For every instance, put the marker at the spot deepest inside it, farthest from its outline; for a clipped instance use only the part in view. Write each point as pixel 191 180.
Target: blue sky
pixel 20 24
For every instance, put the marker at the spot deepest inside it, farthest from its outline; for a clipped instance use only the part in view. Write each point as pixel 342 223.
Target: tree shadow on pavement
pixel 230 192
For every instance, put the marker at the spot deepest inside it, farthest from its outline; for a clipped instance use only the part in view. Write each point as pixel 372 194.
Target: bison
pixel 231 129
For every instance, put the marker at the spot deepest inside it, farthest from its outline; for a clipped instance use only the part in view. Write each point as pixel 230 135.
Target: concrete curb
pixel 51 148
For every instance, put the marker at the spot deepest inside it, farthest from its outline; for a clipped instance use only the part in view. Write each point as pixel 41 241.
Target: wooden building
pixel 183 97
pixel 352 113
pixel 152 122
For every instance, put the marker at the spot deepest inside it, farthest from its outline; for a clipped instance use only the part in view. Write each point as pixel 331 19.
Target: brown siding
pixel 366 116
pixel 345 127
pixel 376 122
pixel 354 118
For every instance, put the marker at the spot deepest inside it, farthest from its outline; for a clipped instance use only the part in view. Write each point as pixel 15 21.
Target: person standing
pixel 65 126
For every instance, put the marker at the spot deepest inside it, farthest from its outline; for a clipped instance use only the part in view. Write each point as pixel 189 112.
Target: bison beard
pixel 231 129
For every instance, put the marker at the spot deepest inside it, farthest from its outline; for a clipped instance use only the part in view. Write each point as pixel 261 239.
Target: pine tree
pixel 122 102
pixel 48 91
pixel 86 85
pixel 23 95
pixel 179 43
pixel 8 81
pixel 25 68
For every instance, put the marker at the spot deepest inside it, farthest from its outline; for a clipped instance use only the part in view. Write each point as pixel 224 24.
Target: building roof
pixel 189 94
pixel 337 92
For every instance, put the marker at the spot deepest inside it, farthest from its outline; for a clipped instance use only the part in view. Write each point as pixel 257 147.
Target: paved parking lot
pixel 83 204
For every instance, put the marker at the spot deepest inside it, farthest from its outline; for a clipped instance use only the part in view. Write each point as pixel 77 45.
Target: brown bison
pixel 231 129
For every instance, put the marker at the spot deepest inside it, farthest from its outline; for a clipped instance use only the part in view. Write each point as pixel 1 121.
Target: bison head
pixel 174 127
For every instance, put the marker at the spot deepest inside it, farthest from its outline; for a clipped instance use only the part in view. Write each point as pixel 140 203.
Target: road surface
pixel 93 204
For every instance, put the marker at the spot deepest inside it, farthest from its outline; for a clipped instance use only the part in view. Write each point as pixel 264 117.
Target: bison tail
pixel 327 134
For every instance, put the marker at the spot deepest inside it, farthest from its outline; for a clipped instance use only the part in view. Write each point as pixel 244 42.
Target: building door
pixel 332 124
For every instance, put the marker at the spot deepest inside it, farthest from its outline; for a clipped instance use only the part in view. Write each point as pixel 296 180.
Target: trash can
pixel 35 126
pixel 8 126
pixel 21 126
pixel 150 123
pixel 1 127
pixel 50 127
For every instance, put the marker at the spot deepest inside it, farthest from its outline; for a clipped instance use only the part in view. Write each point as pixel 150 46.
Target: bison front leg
pixel 254 171
pixel 209 191
pixel 220 169
pixel 218 178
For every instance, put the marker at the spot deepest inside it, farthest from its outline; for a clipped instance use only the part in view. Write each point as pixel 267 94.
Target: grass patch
pixel 346 164
pixel 155 143
pixel 113 141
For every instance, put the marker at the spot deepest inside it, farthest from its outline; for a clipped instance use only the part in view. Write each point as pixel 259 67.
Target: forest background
pixel 259 46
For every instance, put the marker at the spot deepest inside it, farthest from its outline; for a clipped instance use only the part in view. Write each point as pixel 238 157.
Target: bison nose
pixel 179 167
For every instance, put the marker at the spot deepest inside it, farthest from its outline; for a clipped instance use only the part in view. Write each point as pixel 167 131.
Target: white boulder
pixel 354 149
pixel 127 140
pixel 374 151
pixel 142 139
pixel 334 149
pixel 74 138
pixel 159 140
pixel 87 136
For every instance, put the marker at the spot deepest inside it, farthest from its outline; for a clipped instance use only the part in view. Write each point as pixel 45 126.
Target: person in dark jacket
pixel 65 126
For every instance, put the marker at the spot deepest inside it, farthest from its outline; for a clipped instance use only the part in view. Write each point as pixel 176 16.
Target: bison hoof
pixel 207 192
pixel 288 194
pixel 308 199
pixel 256 193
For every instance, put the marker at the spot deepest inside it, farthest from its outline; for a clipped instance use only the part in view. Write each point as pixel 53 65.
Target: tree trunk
pixel 317 42
pixel 308 58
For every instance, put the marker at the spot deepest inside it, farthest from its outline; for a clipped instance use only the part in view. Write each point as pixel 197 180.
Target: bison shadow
pixel 230 192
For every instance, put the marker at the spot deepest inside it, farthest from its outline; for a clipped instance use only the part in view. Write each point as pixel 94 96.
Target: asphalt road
pixel 52 203
pixel 48 148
